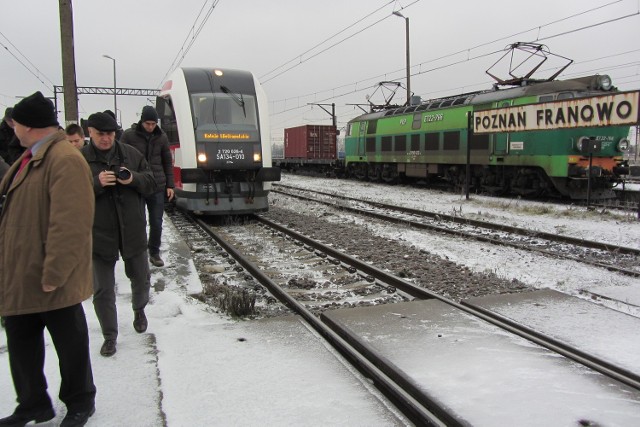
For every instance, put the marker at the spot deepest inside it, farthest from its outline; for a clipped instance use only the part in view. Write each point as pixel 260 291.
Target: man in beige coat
pixel 45 266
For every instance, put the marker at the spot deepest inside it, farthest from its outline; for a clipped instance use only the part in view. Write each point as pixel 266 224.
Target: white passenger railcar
pixel 217 123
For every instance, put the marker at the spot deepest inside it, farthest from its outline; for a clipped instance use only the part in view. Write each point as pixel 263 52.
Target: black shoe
pixel 108 348
pixel 19 420
pixel 74 419
pixel 156 260
pixel 139 321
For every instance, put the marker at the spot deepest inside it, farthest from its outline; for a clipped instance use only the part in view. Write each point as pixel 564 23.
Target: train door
pixel 501 140
pixel 169 124
pixel 362 137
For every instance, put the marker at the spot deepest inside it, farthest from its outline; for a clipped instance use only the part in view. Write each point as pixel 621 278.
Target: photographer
pixel 121 178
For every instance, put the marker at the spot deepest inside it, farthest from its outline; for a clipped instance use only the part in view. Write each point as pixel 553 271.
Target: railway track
pixel 275 257
pixel 598 254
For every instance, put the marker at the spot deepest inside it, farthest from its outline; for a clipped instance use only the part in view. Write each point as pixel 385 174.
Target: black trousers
pixel 70 336
pixel 104 289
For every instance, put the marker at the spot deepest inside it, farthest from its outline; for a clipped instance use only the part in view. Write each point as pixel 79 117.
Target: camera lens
pixel 124 174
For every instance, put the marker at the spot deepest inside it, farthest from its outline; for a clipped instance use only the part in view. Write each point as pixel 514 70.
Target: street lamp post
pixel 406 20
pixel 115 99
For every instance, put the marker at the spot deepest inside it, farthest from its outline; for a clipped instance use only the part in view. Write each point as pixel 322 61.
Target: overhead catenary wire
pixel 263 78
pixel 37 72
pixel 467 50
pixel 331 46
pixel 192 35
pixel 364 82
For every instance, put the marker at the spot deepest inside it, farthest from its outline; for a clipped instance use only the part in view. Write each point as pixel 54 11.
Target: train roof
pixel 532 88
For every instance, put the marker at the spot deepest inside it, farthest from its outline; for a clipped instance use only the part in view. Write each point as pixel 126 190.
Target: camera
pixel 124 174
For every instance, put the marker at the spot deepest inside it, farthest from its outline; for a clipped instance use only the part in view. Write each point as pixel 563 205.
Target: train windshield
pixel 224 111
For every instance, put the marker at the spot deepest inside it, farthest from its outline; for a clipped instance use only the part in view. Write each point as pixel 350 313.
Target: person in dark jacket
pixel 121 178
pixel 153 143
pixel 6 133
pixel 45 267
pixel 10 147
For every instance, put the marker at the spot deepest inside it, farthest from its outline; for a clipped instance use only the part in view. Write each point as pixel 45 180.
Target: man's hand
pixel 48 288
pixel 170 194
pixel 107 178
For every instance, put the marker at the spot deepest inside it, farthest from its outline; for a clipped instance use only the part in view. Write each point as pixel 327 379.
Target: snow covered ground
pixel 607 226
pixel 197 367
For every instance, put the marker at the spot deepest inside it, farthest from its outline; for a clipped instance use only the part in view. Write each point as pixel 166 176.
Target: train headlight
pixel 257 157
pixel 582 141
pixel 202 158
pixel 623 144
pixel 604 82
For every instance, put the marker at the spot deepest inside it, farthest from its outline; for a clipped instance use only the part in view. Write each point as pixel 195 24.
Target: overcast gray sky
pixel 452 44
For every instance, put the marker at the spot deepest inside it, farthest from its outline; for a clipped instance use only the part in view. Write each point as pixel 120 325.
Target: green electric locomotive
pixel 429 141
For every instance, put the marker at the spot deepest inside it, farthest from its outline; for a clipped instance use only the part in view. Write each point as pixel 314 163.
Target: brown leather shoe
pixel 156 260
pixel 139 321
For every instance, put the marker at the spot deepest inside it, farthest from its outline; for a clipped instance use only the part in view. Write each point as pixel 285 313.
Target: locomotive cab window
pixel 225 111
pixel 372 126
pixel 565 95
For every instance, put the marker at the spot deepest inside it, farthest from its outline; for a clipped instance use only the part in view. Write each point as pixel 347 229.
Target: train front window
pixel 229 111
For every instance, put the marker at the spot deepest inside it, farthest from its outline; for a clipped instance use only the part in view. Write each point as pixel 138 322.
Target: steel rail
pixel 477 223
pixel 491 240
pixel 592 362
pixel 420 410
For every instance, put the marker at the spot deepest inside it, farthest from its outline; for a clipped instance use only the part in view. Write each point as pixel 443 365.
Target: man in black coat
pixel 121 178
pixel 153 143
pixel 6 133
pixel 10 148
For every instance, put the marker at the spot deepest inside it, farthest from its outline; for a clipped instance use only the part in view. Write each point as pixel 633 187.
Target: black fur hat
pixel 35 111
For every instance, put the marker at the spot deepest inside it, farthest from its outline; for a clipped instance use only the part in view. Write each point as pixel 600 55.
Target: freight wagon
pixel 309 148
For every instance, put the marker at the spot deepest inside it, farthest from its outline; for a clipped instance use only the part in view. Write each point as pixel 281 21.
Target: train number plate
pixel 230 154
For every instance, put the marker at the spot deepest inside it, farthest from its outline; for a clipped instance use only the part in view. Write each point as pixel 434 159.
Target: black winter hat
pixel 102 122
pixel 111 113
pixel 35 111
pixel 149 114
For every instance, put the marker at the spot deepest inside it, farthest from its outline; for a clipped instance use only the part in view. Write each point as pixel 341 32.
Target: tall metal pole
pixel 68 63
pixel 406 20
pixel 333 114
pixel 115 98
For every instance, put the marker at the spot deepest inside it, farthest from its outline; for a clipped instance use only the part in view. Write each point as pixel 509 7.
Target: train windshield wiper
pixel 238 98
